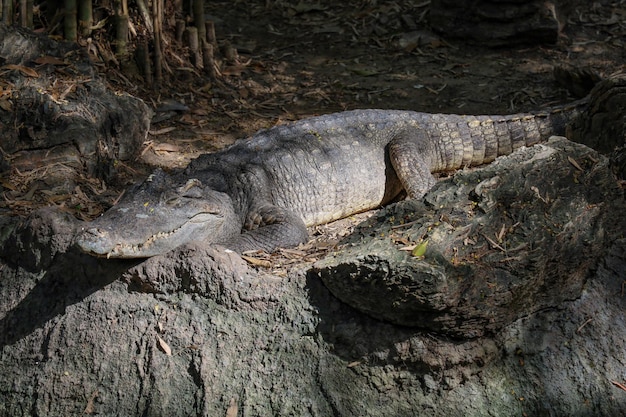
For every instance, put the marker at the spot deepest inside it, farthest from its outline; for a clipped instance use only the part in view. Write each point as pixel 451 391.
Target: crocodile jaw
pixel 158 215
pixel 103 242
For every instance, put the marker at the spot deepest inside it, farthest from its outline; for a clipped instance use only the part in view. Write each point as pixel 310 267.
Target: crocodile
pixel 262 193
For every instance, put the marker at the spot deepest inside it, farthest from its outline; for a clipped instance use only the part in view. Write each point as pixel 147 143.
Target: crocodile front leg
pixel 269 227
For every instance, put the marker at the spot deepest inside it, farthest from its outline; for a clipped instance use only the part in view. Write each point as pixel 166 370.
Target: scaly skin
pixel 262 193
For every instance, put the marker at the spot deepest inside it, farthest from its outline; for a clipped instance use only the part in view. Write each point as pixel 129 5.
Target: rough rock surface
pixel 605 129
pixel 199 332
pixel 495 243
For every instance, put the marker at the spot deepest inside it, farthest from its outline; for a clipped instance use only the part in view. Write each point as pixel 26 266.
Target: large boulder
pixel 517 236
pixel 198 332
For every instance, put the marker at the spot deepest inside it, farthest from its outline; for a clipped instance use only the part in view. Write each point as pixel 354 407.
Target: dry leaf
pixel 363 71
pixel 24 70
pixel 256 261
pixel 162 131
pixel 574 163
pixel 164 346
pixel 6 105
pixel 165 147
pixel 233 409
pixel 234 70
pixel 6 184
pixel 306 7
pixel 90 408
pixel 49 60
pixel 500 235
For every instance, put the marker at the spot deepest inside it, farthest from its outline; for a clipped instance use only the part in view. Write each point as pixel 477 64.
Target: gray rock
pixel 196 331
pixel 496 241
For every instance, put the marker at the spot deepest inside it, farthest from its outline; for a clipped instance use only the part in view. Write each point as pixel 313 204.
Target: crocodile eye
pixel 170 198
pixel 194 192
pixel 190 184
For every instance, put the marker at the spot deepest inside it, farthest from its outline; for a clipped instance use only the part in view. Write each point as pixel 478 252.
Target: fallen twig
pixel 493 243
pixel 618 385
pixel 583 325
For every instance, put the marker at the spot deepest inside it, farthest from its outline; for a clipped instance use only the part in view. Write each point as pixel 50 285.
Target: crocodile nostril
pixel 90 236
pixel 94 240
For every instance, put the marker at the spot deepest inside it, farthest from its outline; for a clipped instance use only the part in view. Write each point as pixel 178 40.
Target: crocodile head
pixel 159 215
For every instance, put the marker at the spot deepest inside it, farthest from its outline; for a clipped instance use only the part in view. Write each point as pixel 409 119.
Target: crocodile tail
pixel 516 131
pixel 555 121
pixel 460 141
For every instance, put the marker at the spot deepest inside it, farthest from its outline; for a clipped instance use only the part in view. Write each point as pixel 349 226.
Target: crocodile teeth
pixel 139 247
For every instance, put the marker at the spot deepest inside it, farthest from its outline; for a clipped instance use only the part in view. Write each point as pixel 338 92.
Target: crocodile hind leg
pixel 410 158
pixel 269 227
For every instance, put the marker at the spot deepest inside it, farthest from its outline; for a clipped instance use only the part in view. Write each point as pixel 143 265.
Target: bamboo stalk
pixel 209 59
pixel 145 15
pixel 23 6
pixel 210 33
pixel 156 17
pixel 69 21
pixel 198 18
pixel 85 17
pixel 121 37
pixel 143 60
pixel 29 13
pixel 180 30
pixel 7 12
pixel 26 13
pixel 194 46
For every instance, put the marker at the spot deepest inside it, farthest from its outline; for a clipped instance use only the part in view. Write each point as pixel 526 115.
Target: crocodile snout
pixel 94 240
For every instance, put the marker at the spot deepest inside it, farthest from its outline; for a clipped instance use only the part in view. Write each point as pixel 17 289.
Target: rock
pixel 33 243
pixel 496 241
pixel 84 115
pixel 496 22
pixel 603 126
pixel 217 274
pixel 197 332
